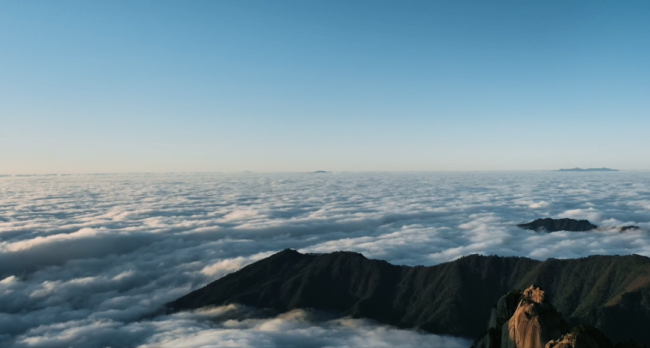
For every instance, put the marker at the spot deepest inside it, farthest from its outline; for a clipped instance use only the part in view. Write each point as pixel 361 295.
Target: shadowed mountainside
pixel 611 293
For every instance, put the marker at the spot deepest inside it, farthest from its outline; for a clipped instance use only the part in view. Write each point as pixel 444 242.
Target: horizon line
pixel 5 175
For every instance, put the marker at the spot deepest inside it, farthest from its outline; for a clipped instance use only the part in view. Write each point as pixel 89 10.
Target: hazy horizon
pixel 308 172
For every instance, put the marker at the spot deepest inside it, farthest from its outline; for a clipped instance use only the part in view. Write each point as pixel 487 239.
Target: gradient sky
pixel 133 86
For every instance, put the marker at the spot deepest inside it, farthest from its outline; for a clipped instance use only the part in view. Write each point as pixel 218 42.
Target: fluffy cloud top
pixel 88 261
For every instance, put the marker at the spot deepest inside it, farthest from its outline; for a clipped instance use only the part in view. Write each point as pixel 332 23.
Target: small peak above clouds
pixel 554 225
pixel 588 170
pixel 570 225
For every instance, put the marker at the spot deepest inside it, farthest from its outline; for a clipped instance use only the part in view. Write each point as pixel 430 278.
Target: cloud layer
pixel 89 260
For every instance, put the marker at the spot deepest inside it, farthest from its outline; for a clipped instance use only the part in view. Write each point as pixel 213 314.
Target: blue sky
pixel 118 86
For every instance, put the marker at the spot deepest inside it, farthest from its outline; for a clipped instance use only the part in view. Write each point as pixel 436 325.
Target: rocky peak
pixel 523 319
pixel 535 322
pixel 527 319
pixel 535 294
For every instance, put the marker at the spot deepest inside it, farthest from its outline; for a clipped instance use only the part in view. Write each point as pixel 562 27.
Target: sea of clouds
pixel 89 261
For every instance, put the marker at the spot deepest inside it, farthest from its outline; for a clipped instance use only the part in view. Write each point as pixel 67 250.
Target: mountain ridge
pixel 611 293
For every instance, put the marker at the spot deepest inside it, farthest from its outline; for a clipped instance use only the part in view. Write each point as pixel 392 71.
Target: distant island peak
pixel 603 169
pixel 554 225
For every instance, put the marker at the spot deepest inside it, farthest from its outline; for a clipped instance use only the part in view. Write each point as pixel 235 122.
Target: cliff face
pixel 455 298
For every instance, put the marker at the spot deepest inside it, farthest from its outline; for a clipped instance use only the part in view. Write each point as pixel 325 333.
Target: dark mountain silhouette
pixel 611 293
pixel 588 170
pixel 554 225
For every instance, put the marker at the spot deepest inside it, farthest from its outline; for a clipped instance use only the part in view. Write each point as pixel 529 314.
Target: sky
pixel 282 86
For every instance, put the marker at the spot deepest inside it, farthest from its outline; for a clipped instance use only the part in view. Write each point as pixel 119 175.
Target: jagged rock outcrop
pixel 534 323
pixel 528 320
pixel 582 337
pixel 554 225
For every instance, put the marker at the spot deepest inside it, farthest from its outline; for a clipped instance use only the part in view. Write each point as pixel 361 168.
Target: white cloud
pixel 88 261
pixel 590 214
pixel 293 329
pixel 538 205
pixel 230 265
